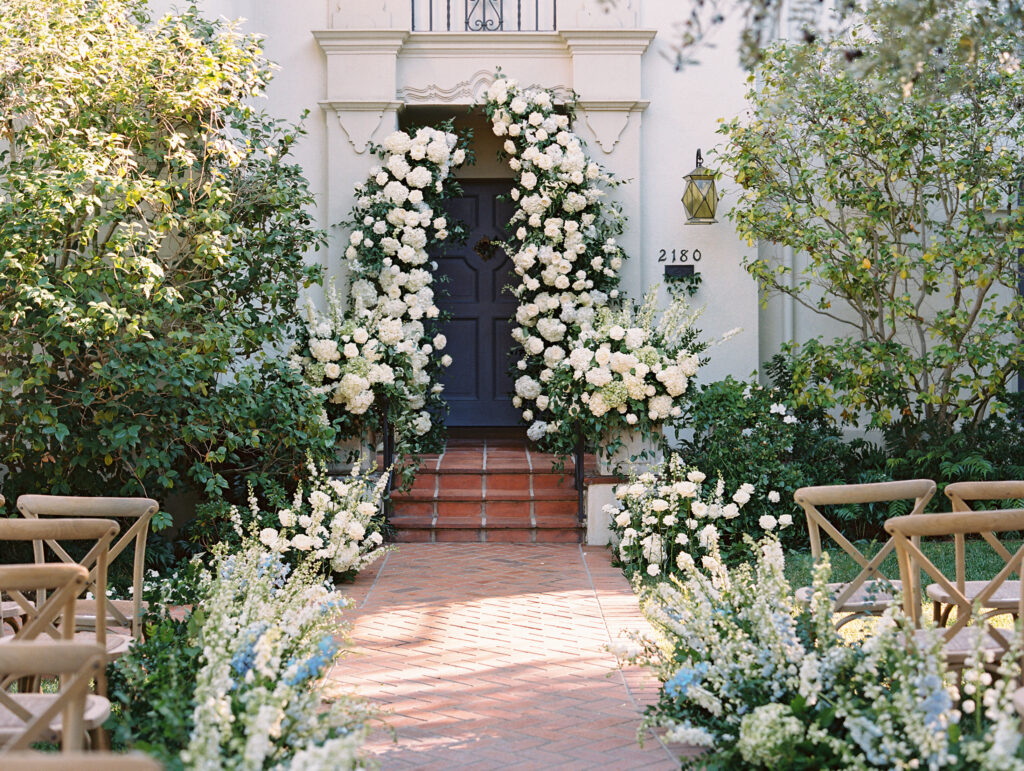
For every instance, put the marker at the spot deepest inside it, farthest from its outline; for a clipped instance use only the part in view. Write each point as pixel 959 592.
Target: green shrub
pixel 897 203
pixel 747 433
pixel 152 241
pixel 151 690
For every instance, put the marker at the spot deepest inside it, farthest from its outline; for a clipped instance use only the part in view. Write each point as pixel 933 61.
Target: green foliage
pixel 748 433
pixel 151 689
pixel 152 236
pixel 992 449
pixel 898 203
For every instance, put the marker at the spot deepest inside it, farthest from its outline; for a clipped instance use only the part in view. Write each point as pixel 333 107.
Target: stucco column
pixel 606 67
pixel 360 108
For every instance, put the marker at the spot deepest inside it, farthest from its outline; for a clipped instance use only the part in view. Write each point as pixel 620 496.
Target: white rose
pixel 269 537
pixel 767 522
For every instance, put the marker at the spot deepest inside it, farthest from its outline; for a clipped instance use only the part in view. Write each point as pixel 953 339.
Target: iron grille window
pixel 484 15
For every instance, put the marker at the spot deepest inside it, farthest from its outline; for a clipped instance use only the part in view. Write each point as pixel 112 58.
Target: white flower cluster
pixel 379 338
pixel 766 682
pixel 563 246
pixel 332 520
pixel 268 635
pixel 623 370
pixel 668 521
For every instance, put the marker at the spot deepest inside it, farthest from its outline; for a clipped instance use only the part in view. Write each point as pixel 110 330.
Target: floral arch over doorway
pixel 587 363
pixel 376 353
pixel 591 364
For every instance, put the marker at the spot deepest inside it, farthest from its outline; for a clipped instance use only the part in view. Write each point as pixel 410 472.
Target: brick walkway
pixel 492 656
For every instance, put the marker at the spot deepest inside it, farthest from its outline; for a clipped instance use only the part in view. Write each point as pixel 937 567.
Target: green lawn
pixel 982 562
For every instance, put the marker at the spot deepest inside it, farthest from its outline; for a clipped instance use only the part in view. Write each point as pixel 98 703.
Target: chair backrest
pixel 960 495
pixel 63 585
pixel 811 498
pixel 139 509
pixel 76 663
pixel 98 531
pixel 906 530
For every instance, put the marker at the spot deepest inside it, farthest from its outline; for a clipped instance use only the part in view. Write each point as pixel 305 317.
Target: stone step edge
pixel 472 496
pixel 526 538
pixel 545 523
pixel 477 471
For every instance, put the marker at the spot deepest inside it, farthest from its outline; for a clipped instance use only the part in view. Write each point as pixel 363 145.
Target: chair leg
pixel 101 739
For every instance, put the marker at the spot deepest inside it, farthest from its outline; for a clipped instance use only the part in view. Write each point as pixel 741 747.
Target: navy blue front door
pixel 477 386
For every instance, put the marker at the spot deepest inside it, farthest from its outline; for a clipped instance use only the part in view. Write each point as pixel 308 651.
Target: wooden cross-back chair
pixel 26 718
pixel 120 613
pixel 961 495
pixel 10 613
pixel 63 584
pixel 870 592
pixel 906 532
pixel 98 533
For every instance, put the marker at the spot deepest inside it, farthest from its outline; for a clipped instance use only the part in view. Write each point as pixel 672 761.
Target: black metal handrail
pixel 578 477
pixel 388 461
pixel 484 15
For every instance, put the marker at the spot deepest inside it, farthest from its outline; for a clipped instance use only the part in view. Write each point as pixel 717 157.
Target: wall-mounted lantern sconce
pixel 700 197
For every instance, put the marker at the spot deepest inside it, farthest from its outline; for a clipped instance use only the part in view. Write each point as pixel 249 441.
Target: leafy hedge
pixel 152 238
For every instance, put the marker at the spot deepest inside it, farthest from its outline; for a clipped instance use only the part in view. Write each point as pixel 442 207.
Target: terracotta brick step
pixel 455 496
pixel 499 478
pixel 487 535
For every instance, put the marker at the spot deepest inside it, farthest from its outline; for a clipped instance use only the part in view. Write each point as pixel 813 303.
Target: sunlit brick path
pixel 492 656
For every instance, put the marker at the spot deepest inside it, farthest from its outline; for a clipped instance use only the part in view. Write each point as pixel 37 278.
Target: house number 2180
pixel 679 255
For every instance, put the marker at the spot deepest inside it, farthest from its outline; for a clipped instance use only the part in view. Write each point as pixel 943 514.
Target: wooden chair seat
pixel 85 611
pixel 97 710
pixel 963 644
pixel 117 643
pixel 870 597
pixel 79 761
pixel 1006 597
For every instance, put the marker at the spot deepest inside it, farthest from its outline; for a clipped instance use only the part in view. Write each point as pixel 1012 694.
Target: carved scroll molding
pixel 608 119
pixel 359 120
pixel 468 91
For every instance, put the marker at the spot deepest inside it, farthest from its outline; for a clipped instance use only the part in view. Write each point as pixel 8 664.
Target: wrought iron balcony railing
pixel 484 15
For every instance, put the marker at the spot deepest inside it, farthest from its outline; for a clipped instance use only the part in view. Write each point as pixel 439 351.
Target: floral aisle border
pixel 589 363
pixel 375 354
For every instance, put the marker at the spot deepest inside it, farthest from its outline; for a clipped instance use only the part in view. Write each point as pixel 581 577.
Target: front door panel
pixel 478 388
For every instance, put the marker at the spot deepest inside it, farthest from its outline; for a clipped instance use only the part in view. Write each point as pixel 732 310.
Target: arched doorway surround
pixel 373 74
